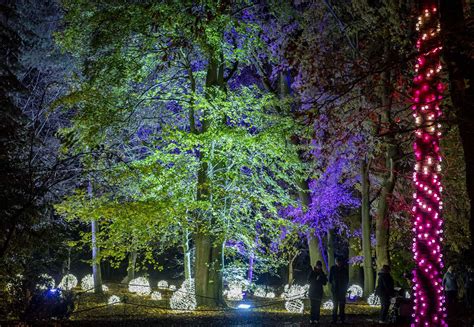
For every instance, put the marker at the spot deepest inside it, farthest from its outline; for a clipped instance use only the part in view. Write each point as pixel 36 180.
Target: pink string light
pixel 429 302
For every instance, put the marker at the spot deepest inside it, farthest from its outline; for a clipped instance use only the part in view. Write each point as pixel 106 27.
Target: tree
pixel 296 55
pixel 96 270
pixel 369 283
pixel 217 132
pixel 288 246
pixel 13 140
pixel 34 173
pixel 457 43
pixel 427 221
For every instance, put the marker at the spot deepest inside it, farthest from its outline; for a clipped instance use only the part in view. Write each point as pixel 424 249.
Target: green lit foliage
pixel 135 210
pixel 136 63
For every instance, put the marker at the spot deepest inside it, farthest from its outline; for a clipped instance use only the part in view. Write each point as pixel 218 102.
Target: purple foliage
pixel 357 233
pixel 247 76
pixel 237 245
pixel 233 37
pixel 176 151
pixel 198 65
pixel 373 241
pixel 356 260
pixel 274 245
pixel 246 171
pixel 174 107
pixel 329 193
pixel 144 132
pixel 248 16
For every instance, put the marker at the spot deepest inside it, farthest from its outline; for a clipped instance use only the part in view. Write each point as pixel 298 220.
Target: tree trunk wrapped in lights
pixel 429 309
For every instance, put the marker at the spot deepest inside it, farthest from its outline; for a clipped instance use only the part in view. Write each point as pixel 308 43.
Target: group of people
pixel 452 283
pixel 339 281
pixel 385 290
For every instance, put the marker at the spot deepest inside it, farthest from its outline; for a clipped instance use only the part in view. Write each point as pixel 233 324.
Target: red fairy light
pixel 429 302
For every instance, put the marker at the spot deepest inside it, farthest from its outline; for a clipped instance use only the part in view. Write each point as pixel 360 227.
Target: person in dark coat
pixel 317 279
pixel 384 291
pixel 450 284
pixel 339 279
pixel 469 287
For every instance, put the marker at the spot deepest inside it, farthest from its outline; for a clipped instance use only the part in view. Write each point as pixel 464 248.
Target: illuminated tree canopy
pixel 232 144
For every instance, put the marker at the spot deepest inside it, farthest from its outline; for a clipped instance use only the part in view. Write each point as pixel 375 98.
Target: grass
pixel 94 306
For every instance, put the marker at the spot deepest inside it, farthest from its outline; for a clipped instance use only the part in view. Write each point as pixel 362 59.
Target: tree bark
pixel 330 248
pixel 382 221
pixel 208 272
pixel 186 255
pixel 315 251
pixel 132 260
pixel 365 222
pixel 251 263
pixel 458 46
pixel 353 269
pixel 291 268
pixel 313 241
pixel 209 254
pixel 215 283
pixel 96 272
pixel 201 273
pixel 315 254
pixel 290 274
pixel 354 241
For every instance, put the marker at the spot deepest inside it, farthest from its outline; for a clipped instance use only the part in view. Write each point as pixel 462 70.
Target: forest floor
pixel 92 306
pixel 234 319
pixel 93 310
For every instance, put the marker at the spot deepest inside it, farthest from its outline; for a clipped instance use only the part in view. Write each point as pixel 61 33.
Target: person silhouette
pixel 339 280
pixel 317 279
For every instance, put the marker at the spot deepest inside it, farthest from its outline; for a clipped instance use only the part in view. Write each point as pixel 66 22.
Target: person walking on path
pixel 468 287
pixel 384 291
pixel 339 279
pixel 451 289
pixel 317 279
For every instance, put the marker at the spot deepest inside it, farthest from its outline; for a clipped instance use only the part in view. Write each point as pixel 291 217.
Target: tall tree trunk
pixel 291 278
pixel 315 251
pixel 353 269
pixel 216 283
pixel 132 261
pixel 208 272
pixel 429 307
pixel 354 245
pixel 251 263
pixel 457 49
pixel 96 272
pixel 209 252
pixel 314 247
pixel 291 268
pixel 330 248
pixel 365 222
pixel 201 273
pixel 186 255
pixel 382 221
